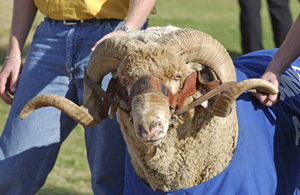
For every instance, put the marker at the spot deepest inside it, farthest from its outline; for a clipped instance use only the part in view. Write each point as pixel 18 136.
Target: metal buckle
pixel 174 118
pixel 72 23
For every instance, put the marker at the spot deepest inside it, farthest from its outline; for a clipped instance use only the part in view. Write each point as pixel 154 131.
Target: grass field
pixel 218 18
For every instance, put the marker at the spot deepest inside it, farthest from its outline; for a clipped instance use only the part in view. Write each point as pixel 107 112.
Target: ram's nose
pixel 151 132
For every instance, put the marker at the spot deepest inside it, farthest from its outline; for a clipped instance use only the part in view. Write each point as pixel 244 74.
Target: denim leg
pixel 29 148
pixel 106 155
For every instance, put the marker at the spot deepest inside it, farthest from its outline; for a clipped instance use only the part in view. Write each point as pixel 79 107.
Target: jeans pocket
pixel 145 25
pixel 38 28
pixel 113 25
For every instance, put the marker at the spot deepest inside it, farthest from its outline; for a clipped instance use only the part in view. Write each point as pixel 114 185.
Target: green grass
pixel 218 18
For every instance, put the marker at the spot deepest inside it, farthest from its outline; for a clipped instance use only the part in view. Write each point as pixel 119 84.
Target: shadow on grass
pixel 59 191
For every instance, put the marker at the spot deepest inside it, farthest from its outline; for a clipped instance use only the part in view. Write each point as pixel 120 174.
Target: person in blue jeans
pixel 55 64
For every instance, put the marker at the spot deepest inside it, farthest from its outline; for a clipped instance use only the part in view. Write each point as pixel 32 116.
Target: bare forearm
pixel 138 13
pixel 286 54
pixel 289 50
pixel 24 13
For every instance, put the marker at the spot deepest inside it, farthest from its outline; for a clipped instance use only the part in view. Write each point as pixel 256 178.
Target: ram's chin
pixel 152 142
pixel 153 139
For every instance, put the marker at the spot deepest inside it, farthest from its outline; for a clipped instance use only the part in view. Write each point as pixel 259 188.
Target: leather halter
pixel 150 83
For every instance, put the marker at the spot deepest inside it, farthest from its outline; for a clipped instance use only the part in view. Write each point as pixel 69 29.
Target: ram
pixel 189 126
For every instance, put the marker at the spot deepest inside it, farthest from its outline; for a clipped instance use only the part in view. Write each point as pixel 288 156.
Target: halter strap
pixel 150 83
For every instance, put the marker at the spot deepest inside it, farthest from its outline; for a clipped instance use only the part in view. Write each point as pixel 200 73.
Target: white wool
pixel 152 33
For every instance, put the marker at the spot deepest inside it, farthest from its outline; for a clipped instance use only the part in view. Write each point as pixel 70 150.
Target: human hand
pixel 8 78
pixel 269 100
pixel 111 34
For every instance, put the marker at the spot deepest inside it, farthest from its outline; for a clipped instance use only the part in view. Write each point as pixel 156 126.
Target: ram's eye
pixel 125 81
pixel 177 77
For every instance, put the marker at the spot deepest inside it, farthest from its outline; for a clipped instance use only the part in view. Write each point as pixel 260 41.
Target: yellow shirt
pixel 83 9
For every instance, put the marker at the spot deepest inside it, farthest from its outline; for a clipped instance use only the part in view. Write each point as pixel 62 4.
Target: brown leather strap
pixel 120 91
pixel 149 83
pixel 105 103
pixel 207 86
pixel 189 89
pixel 192 85
pixel 97 89
pixel 205 97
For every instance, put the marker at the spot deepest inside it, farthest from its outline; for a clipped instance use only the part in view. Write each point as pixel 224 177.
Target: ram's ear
pixel 209 104
pixel 208 82
pixel 114 108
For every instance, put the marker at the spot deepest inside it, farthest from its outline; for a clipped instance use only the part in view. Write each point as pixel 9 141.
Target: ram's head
pixel 170 60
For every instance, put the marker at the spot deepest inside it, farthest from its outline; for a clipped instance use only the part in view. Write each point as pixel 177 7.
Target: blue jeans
pixel 55 64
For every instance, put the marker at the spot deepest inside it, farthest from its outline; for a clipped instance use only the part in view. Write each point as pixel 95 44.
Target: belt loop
pixel 97 22
pixel 53 22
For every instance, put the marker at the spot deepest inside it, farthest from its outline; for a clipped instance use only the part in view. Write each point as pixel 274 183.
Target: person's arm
pixel 24 12
pixel 285 55
pixel 138 13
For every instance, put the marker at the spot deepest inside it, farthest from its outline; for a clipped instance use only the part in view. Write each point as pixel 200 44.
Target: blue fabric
pixel 55 64
pixel 266 160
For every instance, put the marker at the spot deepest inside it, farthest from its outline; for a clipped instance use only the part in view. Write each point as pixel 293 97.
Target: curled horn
pixel 106 58
pixel 199 47
pixel 61 103
pixel 228 97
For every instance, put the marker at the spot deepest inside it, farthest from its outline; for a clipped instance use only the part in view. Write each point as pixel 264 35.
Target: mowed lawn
pixel 218 18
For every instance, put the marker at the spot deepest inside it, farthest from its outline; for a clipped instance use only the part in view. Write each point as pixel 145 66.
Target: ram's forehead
pixel 152 33
pixel 152 60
